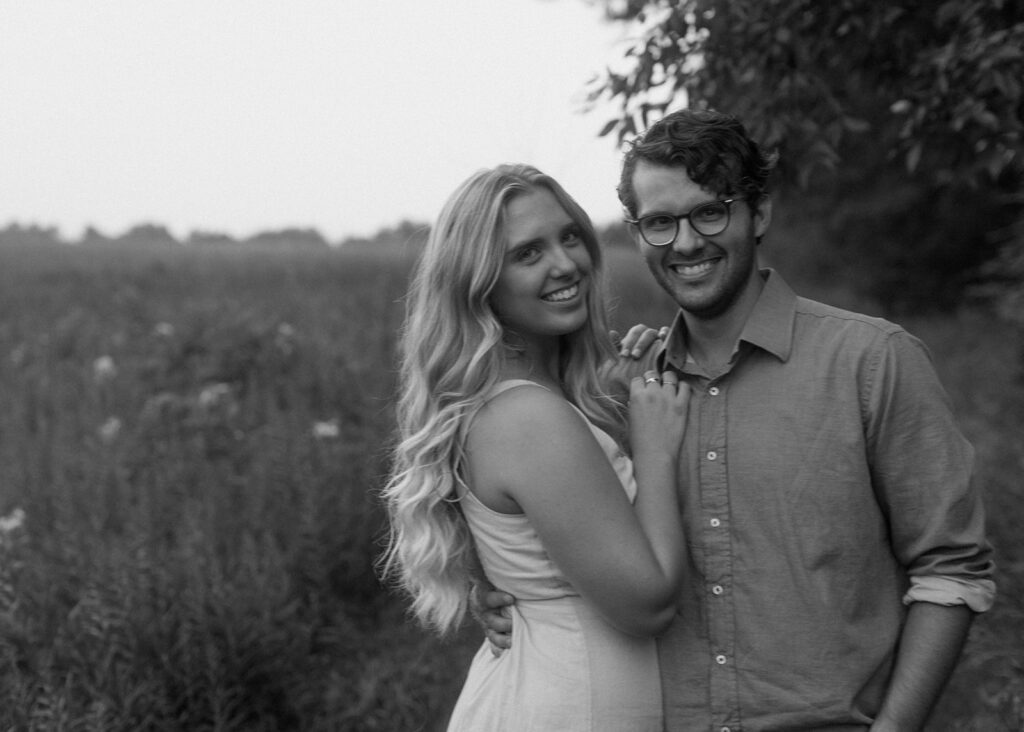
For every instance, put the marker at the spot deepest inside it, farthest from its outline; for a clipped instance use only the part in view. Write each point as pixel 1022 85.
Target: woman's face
pixel 546 271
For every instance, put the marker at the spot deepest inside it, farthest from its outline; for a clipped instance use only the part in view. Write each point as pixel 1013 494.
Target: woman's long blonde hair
pixel 452 347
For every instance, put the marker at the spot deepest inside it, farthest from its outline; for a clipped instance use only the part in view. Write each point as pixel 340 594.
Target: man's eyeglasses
pixel 707 219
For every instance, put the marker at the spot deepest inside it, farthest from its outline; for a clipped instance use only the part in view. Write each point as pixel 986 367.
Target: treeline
pixel 155 236
pixel 404 235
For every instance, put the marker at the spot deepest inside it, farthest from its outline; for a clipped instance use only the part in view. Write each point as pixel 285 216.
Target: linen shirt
pixel 823 485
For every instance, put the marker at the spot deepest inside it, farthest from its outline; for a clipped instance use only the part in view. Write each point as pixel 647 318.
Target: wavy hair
pixel 714 149
pixel 452 346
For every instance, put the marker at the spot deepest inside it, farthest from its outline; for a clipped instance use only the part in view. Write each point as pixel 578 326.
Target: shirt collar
pixel 770 325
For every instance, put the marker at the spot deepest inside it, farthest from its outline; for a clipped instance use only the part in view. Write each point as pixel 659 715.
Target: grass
pixel 194 437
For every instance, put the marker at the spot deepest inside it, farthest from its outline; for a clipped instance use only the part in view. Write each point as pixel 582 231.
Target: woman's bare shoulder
pixel 524 406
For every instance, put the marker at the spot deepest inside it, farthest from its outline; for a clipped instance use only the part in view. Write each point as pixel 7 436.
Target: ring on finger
pixel 651 380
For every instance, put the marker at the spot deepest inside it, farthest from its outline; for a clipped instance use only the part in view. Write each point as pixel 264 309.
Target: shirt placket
pixel 718 554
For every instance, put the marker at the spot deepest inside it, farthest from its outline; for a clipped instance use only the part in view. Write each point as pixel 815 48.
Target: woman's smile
pixel 563 294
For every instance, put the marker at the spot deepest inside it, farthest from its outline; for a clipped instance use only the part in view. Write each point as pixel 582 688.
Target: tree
pixel 287 239
pixel 928 96
pixel 150 236
pixel 16 235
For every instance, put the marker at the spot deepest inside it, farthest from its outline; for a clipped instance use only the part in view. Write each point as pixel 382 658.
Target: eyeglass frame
pixel 677 218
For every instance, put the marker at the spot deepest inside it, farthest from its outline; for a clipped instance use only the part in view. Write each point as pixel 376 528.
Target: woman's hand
pixel 657 413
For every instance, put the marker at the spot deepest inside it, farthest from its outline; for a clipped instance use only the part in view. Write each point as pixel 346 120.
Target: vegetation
pixel 908 119
pixel 190 441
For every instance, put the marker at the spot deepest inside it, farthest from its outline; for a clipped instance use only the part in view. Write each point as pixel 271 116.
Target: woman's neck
pixel 532 364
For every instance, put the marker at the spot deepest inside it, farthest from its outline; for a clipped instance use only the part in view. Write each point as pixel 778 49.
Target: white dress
pixel 568 670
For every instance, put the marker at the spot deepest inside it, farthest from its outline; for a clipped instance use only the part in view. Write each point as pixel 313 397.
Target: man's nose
pixel 687 241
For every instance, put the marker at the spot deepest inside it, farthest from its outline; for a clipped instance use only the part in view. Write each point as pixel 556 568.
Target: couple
pixel 786 507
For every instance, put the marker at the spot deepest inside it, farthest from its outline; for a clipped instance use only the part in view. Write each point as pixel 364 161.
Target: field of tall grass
pixel 190 441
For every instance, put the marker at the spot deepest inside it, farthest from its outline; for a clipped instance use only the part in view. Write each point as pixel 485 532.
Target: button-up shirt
pixel 824 485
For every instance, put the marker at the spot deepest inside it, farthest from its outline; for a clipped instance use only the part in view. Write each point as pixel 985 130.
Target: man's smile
pixel 694 270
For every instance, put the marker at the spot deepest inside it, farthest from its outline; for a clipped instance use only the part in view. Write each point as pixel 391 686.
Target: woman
pixel 506 444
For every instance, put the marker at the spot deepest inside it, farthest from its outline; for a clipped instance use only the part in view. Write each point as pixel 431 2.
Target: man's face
pixel 705 275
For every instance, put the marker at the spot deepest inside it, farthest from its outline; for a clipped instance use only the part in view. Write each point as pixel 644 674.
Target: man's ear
pixel 762 216
pixel 634 233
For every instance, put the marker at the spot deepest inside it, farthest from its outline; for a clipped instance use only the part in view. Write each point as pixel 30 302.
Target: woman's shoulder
pixel 507 385
pixel 521 405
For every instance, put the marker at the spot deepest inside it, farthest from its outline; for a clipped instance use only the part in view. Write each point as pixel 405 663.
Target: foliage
pixel 928 95
pixel 189 443
pixel 940 87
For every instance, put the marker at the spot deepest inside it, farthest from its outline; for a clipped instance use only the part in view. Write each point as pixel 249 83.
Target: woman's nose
pixel 562 264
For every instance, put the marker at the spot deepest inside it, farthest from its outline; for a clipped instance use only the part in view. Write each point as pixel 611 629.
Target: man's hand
pixel 637 340
pixel 489 607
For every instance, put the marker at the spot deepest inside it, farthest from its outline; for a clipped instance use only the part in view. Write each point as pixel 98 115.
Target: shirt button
pixel 713 391
pixel 716 523
pixel 717 590
pixel 720 659
pixel 712 455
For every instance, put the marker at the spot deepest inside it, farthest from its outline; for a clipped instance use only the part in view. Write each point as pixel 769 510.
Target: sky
pixel 241 116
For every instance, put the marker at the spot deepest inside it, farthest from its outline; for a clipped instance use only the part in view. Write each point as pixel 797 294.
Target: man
pixel 836 546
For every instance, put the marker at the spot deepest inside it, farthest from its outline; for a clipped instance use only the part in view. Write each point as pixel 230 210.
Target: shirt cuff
pixel 978 594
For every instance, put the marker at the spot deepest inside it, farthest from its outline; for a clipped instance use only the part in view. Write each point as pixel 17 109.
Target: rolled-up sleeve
pixel 922 472
pixel 977 594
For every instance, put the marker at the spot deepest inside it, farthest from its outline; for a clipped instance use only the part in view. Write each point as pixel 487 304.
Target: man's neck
pixel 712 348
pixel 711 341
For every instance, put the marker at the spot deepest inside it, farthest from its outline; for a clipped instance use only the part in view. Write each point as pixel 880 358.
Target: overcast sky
pixel 239 116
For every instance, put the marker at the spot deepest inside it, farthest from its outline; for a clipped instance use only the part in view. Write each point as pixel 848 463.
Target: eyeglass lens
pixel 707 219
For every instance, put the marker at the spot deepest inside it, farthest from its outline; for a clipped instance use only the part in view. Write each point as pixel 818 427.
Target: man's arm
pixel 928 650
pixel 487 606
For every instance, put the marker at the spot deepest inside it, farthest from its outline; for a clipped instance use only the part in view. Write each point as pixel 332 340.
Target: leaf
pixel 853 124
pixel 608 127
pixel 914 157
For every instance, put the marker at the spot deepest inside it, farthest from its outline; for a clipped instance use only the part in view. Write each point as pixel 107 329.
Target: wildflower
pixel 163 329
pixel 109 430
pixel 19 355
pixel 162 407
pixel 216 404
pixel 14 520
pixel 103 369
pixel 214 395
pixel 284 339
pixel 326 430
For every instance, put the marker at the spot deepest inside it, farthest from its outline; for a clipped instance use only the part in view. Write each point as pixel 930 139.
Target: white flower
pixel 326 430
pixel 104 369
pixel 110 429
pixel 14 520
pixel 214 395
pixel 19 354
pixel 284 339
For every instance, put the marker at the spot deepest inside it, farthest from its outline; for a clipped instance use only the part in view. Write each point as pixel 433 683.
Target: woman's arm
pixel 530 451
